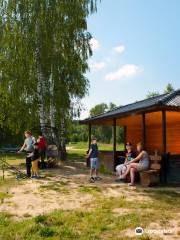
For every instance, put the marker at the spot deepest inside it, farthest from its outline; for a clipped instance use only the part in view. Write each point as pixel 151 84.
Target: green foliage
pixel 169 88
pixel 79 133
pixel 152 94
pixel 46 232
pixel 43 61
pixel 104 133
pixel 98 109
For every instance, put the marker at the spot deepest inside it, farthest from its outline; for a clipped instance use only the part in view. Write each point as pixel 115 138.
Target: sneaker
pixel 33 176
pixel 92 180
pixel 97 178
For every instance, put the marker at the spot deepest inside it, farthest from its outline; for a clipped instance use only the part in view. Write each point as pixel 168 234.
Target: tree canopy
pixel 45 46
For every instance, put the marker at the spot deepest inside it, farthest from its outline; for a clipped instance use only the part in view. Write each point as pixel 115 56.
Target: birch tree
pixel 45 48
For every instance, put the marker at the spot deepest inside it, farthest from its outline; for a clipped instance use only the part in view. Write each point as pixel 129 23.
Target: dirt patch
pixel 28 200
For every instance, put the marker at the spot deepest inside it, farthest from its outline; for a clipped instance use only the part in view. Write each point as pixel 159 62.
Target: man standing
pixel 28 146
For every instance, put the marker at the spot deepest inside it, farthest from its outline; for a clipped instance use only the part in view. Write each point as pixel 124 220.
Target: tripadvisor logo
pixel 139 231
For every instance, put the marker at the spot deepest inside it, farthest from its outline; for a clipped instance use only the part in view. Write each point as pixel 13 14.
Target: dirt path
pixel 67 188
pixel 59 189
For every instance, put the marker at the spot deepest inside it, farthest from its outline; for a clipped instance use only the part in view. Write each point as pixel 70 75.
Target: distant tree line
pixel 168 89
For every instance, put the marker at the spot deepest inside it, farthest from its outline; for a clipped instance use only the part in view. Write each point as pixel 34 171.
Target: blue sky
pixel 136 49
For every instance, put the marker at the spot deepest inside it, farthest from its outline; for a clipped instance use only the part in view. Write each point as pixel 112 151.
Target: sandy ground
pixel 33 197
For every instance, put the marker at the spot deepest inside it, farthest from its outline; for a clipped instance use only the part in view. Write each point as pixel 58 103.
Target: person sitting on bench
pixel 133 166
pixel 121 168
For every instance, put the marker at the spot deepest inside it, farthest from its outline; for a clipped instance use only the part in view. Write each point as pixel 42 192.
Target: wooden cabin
pixel 155 122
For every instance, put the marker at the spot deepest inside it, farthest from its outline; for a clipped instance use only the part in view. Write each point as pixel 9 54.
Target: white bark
pixel 40 83
pixel 52 114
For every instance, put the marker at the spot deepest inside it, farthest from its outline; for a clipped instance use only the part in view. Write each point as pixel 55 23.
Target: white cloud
pixel 95 45
pixel 126 71
pixel 95 66
pixel 119 49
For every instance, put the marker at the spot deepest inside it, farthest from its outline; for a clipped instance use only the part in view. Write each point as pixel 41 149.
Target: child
pixel 121 169
pixel 94 161
pixel 34 160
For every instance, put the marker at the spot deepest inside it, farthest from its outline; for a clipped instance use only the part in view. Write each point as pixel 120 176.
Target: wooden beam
pixel 89 135
pixel 114 140
pixel 144 130
pixel 164 140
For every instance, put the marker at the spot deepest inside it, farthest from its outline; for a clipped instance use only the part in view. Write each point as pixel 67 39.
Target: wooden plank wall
pixel 134 135
pixel 154 132
pixel 173 132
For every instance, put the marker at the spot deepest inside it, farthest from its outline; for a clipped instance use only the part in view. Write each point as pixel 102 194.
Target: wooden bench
pixel 151 177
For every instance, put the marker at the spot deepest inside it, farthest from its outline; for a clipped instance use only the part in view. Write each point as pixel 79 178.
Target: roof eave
pixel 157 107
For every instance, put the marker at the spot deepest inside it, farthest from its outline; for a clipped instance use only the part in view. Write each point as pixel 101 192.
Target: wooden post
pixel 89 136
pixel 164 131
pixel 114 141
pixel 164 149
pixel 144 130
pixel 125 137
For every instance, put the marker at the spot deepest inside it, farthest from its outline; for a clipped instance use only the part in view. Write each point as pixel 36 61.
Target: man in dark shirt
pixel 94 161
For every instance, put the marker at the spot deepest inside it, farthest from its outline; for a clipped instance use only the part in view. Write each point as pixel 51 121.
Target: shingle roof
pixel 165 100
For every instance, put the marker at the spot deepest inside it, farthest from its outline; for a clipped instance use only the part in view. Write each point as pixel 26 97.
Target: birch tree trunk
pixel 52 117
pixel 40 83
pixel 63 153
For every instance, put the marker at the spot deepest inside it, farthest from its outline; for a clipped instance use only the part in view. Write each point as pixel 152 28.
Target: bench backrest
pixel 155 162
pixel 52 151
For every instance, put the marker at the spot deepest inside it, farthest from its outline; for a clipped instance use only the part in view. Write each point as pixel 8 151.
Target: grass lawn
pixel 77 151
pixel 102 146
pixel 13 159
pixel 112 212
pixel 108 218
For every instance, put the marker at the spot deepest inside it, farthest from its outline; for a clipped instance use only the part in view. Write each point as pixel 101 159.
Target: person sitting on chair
pixel 133 166
pixel 121 168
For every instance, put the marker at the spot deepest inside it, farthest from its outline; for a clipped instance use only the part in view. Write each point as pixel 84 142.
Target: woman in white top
pixel 140 163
